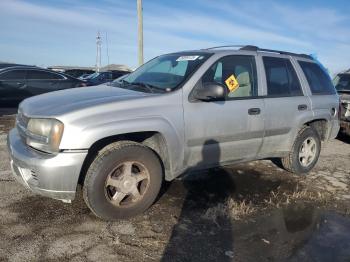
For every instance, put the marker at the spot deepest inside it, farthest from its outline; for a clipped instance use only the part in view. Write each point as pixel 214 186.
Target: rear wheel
pixel 305 152
pixel 122 181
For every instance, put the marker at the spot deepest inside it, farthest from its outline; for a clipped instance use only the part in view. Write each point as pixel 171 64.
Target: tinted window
pixel 116 74
pixel 342 82
pixel 13 75
pixel 281 77
pixel 42 75
pixel 237 73
pixel 319 81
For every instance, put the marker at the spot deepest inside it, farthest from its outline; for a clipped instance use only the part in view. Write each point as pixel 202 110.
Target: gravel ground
pixel 248 212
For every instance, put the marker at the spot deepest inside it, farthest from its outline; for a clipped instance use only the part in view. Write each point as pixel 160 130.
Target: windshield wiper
pixel 149 87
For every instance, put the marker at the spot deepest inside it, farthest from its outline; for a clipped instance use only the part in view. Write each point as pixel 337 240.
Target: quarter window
pixel 42 75
pixel 13 75
pixel 241 68
pixel 281 77
pixel 319 81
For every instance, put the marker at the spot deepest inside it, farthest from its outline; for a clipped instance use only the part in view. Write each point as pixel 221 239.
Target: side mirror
pixel 211 92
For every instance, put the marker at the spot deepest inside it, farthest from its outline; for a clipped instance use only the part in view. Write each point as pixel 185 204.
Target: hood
pixel 64 101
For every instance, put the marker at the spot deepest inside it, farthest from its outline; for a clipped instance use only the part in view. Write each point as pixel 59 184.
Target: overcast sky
pixel 63 32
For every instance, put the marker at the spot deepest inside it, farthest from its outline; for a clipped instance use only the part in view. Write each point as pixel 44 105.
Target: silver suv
pixel 177 113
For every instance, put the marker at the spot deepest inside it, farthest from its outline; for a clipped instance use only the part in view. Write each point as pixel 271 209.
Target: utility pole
pixel 98 51
pixel 140 31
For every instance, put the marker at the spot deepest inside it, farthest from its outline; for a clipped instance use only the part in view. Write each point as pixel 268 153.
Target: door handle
pixel 21 85
pixel 302 107
pixel 254 111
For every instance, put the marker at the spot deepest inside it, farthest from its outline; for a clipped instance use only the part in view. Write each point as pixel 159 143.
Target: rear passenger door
pixel 285 104
pixel 40 81
pixel 325 102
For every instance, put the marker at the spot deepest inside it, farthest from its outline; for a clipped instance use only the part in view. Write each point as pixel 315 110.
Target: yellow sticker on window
pixel 232 83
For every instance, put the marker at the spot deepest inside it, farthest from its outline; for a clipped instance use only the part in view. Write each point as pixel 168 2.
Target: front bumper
pixel 54 176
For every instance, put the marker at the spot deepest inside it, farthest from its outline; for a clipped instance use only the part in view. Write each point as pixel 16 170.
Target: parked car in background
pixel 342 84
pixel 77 73
pixel 177 113
pixel 20 82
pixel 83 76
pixel 4 65
pixel 119 79
pixel 103 77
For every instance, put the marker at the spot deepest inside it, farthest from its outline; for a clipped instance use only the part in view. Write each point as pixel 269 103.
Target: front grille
pixel 34 174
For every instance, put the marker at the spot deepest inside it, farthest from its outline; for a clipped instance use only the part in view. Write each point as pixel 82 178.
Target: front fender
pixel 85 138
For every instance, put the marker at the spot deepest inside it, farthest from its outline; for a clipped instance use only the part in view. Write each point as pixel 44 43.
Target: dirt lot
pixel 248 212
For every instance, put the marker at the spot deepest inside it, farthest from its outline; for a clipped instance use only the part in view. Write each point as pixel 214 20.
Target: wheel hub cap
pixel 308 150
pixel 127 183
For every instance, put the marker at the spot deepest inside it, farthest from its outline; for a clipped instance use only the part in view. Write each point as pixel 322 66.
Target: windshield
pixel 164 73
pixel 342 82
pixel 92 76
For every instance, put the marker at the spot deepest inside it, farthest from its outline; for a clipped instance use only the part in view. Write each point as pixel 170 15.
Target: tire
pixel 298 161
pixel 114 173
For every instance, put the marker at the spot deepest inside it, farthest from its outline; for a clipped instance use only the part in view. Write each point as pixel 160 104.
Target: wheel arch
pixel 321 126
pixel 152 139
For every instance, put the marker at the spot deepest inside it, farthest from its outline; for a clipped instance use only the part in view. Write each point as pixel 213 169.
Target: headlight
pixel 44 134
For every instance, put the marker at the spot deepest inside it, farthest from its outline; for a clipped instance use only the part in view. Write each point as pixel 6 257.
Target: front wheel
pixel 305 152
pixel 122 181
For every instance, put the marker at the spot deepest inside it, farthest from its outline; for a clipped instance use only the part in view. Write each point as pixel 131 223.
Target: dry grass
pixel 278 198
pixel 238 209
pixel 230 209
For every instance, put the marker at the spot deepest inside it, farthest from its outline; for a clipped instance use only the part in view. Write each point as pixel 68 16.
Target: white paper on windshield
pixel 187 58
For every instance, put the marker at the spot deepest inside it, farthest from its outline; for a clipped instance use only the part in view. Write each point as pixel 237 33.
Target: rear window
pixel 13 75
pixel 281 77
pixel 319 81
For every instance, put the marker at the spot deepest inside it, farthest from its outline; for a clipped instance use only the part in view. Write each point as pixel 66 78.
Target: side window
pixel 42 75
pixel 319 81
pixel 13 75
pixel 116 75
pixel 237 73
pixel 281 77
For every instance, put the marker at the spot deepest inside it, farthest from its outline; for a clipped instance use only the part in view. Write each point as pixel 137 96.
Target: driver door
pixel 219 132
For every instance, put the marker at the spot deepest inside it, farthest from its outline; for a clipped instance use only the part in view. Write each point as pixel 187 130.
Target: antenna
pixel 98 51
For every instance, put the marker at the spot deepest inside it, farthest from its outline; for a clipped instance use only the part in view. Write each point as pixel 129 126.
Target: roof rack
pixel 258 49
pixel 223 46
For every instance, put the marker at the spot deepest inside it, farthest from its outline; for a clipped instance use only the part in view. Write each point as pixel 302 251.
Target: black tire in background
pixel 96 192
